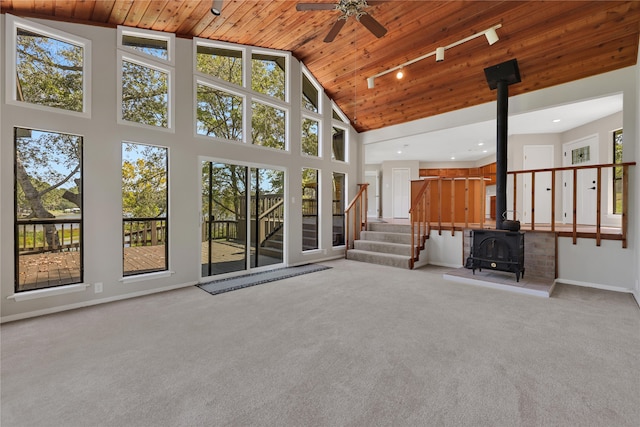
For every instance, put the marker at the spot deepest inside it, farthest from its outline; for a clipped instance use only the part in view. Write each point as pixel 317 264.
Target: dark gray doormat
pixel 233 283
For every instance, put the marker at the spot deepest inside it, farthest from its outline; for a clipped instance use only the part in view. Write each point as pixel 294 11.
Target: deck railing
pixel 48 235
pixel 144 231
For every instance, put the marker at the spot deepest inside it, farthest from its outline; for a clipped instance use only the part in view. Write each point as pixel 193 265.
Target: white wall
pixel 102 179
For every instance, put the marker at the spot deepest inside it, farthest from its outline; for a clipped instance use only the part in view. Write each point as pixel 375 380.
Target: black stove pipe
pixel 501 152
pixel 501 76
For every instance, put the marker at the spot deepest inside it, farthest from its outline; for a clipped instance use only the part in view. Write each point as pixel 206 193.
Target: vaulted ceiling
pixel 554 42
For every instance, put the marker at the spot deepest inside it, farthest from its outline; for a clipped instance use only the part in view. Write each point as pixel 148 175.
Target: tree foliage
pixel 49 71
pixel 144 181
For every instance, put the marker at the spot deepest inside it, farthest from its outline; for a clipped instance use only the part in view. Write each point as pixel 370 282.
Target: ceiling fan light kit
pixel 347 8
pixel 490 33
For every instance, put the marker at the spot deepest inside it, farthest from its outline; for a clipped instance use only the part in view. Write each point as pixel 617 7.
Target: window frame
pixel 16 284
pixel 155 65
pixel 343 127
pixel 614 180
pixel 306 74
pixel 245 109
pixel 167 259
pixel 287 73
pixel 148 34
pixel 221 45
pixel 12 24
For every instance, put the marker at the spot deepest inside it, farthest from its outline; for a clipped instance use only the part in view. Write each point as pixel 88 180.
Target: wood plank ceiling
pixel 554 42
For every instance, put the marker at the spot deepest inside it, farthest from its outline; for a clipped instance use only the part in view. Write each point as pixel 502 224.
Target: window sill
pixel 148 276
pixel 49 292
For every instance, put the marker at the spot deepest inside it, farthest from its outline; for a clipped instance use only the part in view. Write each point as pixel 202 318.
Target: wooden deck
pixel 48 269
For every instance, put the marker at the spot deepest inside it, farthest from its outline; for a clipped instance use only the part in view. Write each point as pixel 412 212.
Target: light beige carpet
pixel 354 345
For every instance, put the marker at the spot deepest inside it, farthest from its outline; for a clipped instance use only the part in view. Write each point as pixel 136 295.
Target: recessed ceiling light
pixel 556 120
pixel 399 151
pixel 484 151
pixel 453 158
pixel 481 143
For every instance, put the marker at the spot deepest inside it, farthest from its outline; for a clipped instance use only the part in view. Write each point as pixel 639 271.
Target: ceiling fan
pixel 347 8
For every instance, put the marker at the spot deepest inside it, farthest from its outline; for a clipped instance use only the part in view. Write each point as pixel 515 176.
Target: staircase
pixel 386 244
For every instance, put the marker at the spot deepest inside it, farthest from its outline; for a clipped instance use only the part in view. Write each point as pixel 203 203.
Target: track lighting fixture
pixel 371 83
pixel 491 36
pixel 489 33
pixel 216 7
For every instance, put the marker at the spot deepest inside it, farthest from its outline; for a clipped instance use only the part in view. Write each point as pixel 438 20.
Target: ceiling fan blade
pixel 372 25
pixel 315 6
pixel 335 30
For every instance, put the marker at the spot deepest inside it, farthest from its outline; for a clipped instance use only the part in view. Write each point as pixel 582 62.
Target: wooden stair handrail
pixel 359 205
pixel 420 213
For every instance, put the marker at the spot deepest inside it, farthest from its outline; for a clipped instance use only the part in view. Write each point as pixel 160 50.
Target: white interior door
pixel 537 157
pixel 582 152
pixel 401 185
pixel 373 194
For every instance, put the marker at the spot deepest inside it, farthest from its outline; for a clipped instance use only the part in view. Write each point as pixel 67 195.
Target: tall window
pixel 268 74
pixel 310 209
pixel 220 62
pixel 617 172
pixel 338 208
pixel 310 94
pixel 310 137
pixel 48 216
pixel 219 113
pixel 338 144
pixel 268 126
pixel 145 79
pixel 144 208
pixel 145 94
pixel 52 68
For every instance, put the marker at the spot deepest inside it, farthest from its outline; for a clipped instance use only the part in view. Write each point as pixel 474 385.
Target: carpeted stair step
pixel 383 236
pixel 392 260
pixel 389 228
pixel 383 247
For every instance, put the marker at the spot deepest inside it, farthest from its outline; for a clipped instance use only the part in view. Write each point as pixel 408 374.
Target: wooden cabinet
pixel 460 199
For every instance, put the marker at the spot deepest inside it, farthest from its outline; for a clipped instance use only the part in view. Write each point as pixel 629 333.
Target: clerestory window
pixel 49 68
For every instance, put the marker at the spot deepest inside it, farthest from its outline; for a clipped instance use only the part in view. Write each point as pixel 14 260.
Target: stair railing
pixel 420 216
pixel 356 217
pixel 271 221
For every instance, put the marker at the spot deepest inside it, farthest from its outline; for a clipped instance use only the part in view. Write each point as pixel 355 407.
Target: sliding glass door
pixel 243 218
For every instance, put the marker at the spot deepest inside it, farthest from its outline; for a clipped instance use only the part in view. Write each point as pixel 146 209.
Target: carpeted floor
pixel 354 345
pixel 240 282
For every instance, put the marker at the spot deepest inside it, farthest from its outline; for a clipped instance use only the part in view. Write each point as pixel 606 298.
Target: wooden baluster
pixel 439 206
pixel 429 209
pixel 466 202
pixel 553 201
pixel 515 192
pixel 533 201
pixel 625 204
pixel 453 206
pixel 598 201
pixel 575 204
pixel 483 200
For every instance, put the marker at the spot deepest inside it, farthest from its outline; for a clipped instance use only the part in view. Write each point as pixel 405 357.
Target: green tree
pixel 144 181
pixel 49 71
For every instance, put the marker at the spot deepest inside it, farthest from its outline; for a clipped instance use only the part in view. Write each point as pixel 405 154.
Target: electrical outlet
pixel 97 287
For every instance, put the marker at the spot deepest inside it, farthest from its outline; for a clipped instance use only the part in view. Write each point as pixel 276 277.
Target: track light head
pixel 491 36
pixel 216 7
pixel 371 83
pixel 399 74
pixel 440 54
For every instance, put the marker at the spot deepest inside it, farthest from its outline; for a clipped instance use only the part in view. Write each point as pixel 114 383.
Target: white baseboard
pixel 444 264
pixel 595 285
pixel 61 308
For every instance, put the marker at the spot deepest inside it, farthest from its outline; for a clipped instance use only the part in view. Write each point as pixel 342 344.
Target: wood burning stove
pixel 497 250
